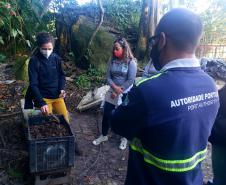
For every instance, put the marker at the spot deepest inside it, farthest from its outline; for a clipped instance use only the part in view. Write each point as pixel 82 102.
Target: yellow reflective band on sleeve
pixel 152 77
pixel 169 165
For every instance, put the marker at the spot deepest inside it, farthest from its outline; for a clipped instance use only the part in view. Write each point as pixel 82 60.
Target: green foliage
pixel 15 173
pixel 10 23
pixel 123 13
pixel 83 82
pixel 214 18
pixel 61 5
pixel 20 20
pixel 94 73
pixel 92 78
pixel 1 40
pixel 2 58
pixel 120 14
pixel 2 106
pixel 21 67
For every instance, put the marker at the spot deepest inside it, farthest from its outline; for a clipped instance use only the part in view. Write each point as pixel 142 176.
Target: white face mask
pixel 46 53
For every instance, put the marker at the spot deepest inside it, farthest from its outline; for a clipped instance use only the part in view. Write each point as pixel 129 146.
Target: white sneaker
pixel 123 144
pixel 100 139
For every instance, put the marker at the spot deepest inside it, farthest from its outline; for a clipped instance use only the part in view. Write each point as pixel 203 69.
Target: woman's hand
pixel 118 89
pixel 113 95
pixel 45 109
pixel 62 94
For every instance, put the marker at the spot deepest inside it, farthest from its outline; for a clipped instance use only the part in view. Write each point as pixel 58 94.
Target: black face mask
pixel 155 55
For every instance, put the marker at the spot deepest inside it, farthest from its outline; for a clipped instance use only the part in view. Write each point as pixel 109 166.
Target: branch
pixel 99 25
pixel 10 114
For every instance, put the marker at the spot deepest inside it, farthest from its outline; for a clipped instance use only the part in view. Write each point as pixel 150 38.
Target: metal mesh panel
pixel 212 51
pixel 52 155
pixel 213 45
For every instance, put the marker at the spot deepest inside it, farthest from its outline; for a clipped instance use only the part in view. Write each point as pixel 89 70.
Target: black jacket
pixel 46 77
pixel 218 134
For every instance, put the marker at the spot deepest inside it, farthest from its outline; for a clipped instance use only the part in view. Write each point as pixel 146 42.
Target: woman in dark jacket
pixel 46 77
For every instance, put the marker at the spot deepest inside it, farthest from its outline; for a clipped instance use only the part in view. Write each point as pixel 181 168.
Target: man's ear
pixel 162 41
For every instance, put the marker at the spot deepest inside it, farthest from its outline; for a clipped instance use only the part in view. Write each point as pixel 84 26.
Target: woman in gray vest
pixel 121 75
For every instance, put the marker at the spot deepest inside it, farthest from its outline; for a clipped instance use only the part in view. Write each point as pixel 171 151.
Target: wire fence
pixel 213 45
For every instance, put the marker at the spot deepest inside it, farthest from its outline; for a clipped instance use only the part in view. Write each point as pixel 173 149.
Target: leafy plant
pixel 92 78
pixel 94 72
pixel 20 20
pixel 2 106
pixel 120 14
pixel 124 13
pixel 15 173
pixel 2 58
pixel 83 82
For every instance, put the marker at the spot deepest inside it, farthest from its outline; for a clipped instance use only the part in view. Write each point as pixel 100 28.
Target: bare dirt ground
pixel 98 165
pixel 104 164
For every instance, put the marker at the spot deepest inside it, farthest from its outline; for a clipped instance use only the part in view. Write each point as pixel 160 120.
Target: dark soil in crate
pixel 48 129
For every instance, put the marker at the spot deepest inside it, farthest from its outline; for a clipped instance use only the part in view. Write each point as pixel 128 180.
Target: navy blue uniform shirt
pixel 168 119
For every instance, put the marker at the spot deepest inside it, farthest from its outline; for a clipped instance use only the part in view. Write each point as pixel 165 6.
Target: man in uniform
pixel 168 117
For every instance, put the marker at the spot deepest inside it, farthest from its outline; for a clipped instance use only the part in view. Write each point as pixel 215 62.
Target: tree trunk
pixel 63 33
pixel 148 21
pixel 143 30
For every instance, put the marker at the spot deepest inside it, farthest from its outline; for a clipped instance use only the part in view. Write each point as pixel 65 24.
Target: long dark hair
pixel 126 48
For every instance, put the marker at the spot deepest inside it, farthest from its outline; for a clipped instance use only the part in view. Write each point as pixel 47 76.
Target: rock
pixel 7 82
pixel 214 67
pixel 69 79
pixel 93 98
pixel 101 48
pixel 21 67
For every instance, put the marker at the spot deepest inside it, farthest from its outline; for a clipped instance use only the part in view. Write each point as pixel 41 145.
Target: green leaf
pixel 28 43
pixel 16 173
pixel 1 22
pixel 14 33
pixel 2 58
pixel 2 3
pixel 1 40
pixel 20 32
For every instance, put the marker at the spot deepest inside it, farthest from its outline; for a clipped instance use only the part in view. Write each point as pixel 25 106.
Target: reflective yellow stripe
pixel 169 165
pixel 152 77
